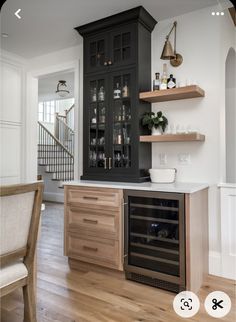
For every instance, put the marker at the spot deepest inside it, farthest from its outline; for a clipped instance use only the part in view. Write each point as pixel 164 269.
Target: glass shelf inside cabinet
pixel 97 129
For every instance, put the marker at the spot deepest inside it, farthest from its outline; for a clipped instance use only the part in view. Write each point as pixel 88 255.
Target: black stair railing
pixel 53 154
pixel 64 133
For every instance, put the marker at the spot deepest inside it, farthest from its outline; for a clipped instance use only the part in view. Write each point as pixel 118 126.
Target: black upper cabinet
pixel 117 66
pixel 96 53
pixel 110 50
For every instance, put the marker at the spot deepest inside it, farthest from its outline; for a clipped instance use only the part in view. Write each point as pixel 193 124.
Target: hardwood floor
pixel 94 294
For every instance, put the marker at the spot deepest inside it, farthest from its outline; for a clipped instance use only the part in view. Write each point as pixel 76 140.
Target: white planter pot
pixel 157 131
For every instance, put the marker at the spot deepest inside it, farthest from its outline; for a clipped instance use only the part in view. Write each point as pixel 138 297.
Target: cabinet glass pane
pixel 97 53
pixel 121 121
pixel 154 234
pixel 122 47
pixel 97 117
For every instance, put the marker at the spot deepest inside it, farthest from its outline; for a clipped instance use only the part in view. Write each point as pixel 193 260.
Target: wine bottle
pixel 156 82
pixel 171 82
pixel 164 77
pixel 117 91
pixel 101 94
pixel 125 90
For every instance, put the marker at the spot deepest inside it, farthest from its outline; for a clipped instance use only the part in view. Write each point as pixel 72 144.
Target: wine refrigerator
pixel 155 239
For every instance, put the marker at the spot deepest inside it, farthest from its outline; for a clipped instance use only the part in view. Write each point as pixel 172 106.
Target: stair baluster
pixel 54 155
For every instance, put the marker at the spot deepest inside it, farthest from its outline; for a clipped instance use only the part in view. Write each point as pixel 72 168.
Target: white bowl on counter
pixel 163 175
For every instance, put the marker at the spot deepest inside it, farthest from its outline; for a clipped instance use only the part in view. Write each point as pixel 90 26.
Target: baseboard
pixel 215 263
pixel 52 196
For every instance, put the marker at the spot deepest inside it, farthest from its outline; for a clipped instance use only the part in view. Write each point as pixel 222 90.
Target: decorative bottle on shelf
pixel 156 82
pixel 102 115
pixel 125 90
pixel 123 113
pixel 171 82
pixel 93 94
pixel 94 118
pixel 101 94
pixel 164 77
pixel 117 91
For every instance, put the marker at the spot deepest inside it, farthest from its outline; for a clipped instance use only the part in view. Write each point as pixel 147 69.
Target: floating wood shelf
pixel 173 137
pixel 179 93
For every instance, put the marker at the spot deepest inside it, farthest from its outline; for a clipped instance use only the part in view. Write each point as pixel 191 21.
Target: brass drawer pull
pixel 90 221
pixel 92 249
pixel 91 198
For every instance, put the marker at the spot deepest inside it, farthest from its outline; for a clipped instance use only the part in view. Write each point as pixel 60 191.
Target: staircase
pixel 56 151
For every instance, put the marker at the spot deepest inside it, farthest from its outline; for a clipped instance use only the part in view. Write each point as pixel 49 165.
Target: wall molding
pixel 12 59
pixel 10 123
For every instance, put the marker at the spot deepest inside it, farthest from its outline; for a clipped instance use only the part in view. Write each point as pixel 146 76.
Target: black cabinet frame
pixel 117 45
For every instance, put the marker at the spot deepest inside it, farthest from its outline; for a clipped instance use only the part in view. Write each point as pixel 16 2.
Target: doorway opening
pixel 56 132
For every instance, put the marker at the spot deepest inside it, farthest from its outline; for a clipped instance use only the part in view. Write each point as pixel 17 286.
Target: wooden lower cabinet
pixel 94 225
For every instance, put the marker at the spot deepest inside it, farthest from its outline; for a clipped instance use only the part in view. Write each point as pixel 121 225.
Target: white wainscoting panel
pixel 228 230
pixel 10 151
pixel 12 120
pixel 11 80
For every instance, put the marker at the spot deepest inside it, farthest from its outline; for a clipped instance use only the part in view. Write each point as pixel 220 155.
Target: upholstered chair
pixel 20 208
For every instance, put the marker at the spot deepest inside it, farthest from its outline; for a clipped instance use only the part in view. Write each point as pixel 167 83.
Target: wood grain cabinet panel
pixel 94 225
pixel 100 251
pixel 94 222
pixel 94 198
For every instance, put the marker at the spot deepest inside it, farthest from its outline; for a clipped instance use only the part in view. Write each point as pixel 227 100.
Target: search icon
pixel 186 303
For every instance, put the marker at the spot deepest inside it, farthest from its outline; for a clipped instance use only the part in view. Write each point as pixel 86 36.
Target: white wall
pixel 203 41
pixel 230 121
pixel 12 119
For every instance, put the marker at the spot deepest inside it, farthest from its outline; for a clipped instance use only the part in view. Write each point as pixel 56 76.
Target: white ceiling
pixel 48 84
pixel 47 25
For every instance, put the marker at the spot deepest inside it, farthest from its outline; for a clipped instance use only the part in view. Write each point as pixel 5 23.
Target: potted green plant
pixel 155 122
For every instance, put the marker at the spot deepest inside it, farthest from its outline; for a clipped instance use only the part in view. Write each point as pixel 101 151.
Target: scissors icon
pixel 217 304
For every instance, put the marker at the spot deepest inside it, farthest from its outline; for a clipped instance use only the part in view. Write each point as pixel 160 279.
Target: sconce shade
pixel 167 52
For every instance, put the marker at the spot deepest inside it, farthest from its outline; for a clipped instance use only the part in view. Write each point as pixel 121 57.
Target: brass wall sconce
pixel 168 53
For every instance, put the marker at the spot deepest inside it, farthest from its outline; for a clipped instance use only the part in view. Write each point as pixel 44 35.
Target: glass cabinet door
pixel 122 46
pixel 121 120
pixel 96 52
pixel 97 119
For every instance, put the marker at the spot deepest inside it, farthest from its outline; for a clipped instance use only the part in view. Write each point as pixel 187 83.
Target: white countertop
pixel 179 187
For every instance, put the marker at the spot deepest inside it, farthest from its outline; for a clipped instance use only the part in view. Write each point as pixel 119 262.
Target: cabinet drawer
pixel 94 250
pixel 101 223
pixel 94 197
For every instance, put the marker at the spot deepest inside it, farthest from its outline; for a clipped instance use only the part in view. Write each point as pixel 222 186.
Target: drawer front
pixel 93 221
pixel 96 250
pixel 94 197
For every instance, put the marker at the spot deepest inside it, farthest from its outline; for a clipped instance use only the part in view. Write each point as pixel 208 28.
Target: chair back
pixel 20 208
